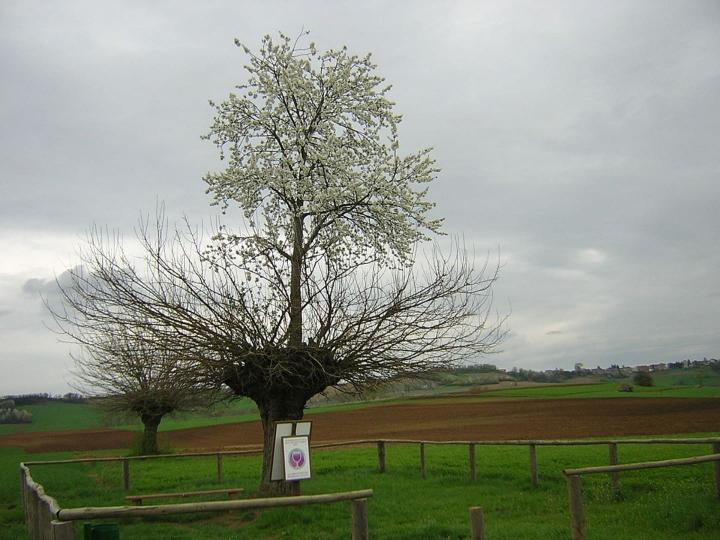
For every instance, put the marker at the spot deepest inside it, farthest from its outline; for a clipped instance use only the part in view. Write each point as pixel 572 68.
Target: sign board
pixel 285 429
pixel 302 428
pixel 296 452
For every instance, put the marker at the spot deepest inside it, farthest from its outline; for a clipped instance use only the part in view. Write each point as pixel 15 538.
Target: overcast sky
pixel 581 139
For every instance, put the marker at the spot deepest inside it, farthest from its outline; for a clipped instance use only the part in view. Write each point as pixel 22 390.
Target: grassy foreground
pixel 655 504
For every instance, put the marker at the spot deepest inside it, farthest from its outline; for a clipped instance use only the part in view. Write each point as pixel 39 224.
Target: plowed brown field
pixel 432 420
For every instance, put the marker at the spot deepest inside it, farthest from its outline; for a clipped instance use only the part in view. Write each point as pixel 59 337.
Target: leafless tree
pixel 131 373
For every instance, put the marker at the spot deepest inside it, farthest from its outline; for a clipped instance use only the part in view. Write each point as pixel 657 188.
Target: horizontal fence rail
pixel 382 444
pixel 574 484
pixel 640 466
pixel 45 520
pixel 74 514
pixel 360 442
pixel 532 445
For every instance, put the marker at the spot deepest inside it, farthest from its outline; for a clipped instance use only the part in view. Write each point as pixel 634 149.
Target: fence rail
pixel 532 445
pixel 382 445
pixel 574 483
pixel 44 519
pixel 75 514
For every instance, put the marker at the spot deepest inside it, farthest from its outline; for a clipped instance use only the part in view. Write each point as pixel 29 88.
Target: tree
pixel 320 287
pixel 134 374
pixel 643 378
pixel 330 205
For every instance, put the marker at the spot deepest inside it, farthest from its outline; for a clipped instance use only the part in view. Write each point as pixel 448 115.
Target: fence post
pixel 45 519
pixel 577 519
pixel 716 450
pixel 477 523
pixel 471 459
pixel 219 469
pixel 126 474
pixel 23 495
pixel 359 519
pixel 33 501
pixel 533 466
pixel 381 456
pixel 62 530
pixel 422 460
pixel 614 476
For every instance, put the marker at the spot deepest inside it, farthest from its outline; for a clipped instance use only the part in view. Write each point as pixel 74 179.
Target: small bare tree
pixel 132 374
pixel 120 362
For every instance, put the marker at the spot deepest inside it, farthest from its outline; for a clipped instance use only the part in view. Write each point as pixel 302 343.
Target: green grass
pixel 608 389
pixel 237 410
pixel 57 416
pixel 687 377
pixel 655 504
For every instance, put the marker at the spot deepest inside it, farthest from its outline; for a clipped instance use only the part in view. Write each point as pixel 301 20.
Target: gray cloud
pixel 34 286
pixel 49 288
pixel 579 137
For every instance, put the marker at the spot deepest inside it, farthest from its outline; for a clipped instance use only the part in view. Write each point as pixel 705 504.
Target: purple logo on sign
pixel 296 458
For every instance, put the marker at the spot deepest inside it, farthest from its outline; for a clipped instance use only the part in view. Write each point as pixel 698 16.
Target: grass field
pixel 55 416
pixel 605 389
pixel 58 416
pixel 656 504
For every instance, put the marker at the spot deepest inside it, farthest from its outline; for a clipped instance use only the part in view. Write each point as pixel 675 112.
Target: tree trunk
pixel 149 444
pixel 278 409
pixel 296 315
pixel 280 382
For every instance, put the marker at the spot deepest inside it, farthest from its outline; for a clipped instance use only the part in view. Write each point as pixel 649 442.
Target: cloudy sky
pixel 581 139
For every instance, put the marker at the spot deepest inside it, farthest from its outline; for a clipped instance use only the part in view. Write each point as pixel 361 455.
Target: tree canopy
pixel 312 152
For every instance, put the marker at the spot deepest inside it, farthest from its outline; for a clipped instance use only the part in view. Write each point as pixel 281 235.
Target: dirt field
pixel 484 420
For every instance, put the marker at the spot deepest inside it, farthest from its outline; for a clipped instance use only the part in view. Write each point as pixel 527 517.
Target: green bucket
pixel 104 531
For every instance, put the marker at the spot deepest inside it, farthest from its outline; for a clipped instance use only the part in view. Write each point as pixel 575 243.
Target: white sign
pixel 296 453
pixel 282 429
pixel 285 429
pixel 302 428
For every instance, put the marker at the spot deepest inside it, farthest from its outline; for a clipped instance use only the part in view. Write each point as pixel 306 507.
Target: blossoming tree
pixel 319 286
pixel 333 215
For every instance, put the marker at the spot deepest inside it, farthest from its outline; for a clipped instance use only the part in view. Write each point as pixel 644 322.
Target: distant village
pixel 614 371
pixel 498 375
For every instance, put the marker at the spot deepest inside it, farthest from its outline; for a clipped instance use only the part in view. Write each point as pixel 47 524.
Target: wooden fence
pixel 41 510
pixel 573 479
pixel 532 446
pixel 125 461
pixel 45 520
pixel 39 506
pixel 382 445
